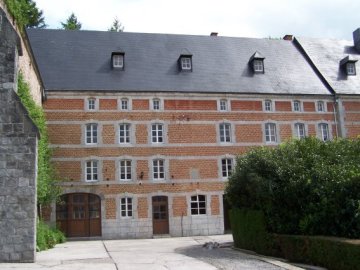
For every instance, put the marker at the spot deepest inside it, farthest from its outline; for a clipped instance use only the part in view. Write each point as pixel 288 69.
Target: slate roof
pixel 326 55
pixel 80 60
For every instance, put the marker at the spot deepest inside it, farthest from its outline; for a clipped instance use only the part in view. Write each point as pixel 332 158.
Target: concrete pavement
pixel 164 253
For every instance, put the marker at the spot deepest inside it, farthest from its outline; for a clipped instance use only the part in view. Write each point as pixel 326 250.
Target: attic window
pixel 117 60
pixel 185 62
pixel 348 65
pixel 256 62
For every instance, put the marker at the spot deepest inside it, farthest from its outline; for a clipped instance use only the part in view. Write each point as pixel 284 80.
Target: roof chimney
pixel 213 34
pixel 288 37
pixel 356 36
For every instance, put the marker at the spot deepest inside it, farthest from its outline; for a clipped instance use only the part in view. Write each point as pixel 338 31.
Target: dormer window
pixel 117 60
pixel 348 65
pixel 256 63
pixel 185 62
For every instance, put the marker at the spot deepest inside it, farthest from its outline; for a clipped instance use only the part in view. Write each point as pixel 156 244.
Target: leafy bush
pixel 303 186
pixel 47 237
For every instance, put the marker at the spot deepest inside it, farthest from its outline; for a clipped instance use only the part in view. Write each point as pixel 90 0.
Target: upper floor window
pixel 268 105
pixel 300 130
pixel 157 133
pixel 256 62
pixel 91 104
pixel 124 104
pixel 198 205
pixel 91 133
pixel 185 62
pixel 91 171
pixel 350 69
pixel 125 170
pixel 223 105
pixel 225 132
pixel 226 167
pixel 320 106
pixel 158 169
pixel 270 132
pixel 124 133
pixel 347 64
pixel 297 106
pixel 156 104
pixel 324 131
pixel 118 60
pixel 258 65
pixel 126 208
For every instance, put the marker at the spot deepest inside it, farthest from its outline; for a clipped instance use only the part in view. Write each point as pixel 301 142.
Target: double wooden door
pixel 79 215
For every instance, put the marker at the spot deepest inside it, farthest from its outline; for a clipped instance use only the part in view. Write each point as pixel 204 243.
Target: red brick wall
pixel 249 133
pixel 140 104
pixel 238 105
pixel 64 104
pixel 108 104
pixel 188 133
pixel 179 206
pixel 68 170
pixel 215 205
pixel 181 169
pixel 206 105
pixel 64 134
pixel 110 208
pixel 142 207
pixel 109 170
pixel 283 106
pixel 108 134
pixel 309 106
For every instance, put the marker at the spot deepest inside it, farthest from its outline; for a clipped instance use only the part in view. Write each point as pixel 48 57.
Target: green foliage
pixel 116 26
pixel 303 186
pixel 47 190
pixel 71 23
pixel 47 237
pixel 26 13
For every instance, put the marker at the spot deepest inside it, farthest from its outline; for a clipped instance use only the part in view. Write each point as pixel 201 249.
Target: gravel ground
pixel 227 258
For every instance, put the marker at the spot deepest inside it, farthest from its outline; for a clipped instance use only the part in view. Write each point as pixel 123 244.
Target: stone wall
pixel 18 158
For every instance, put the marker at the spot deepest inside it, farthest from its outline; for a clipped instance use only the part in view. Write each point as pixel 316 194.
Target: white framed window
pixel 225 132
pixel 270 133
pixel 268 105
pixel 124 104
pixel 157 133
pixel 324 132
pixel 223 105
pixel 91 104
pixel 126 207
pixel 258 65
pixel 300 130
pixel 156 104
pixel 198 205
pixel 185 63
pixel 91 133
pixel 124 133
pixel 158 169
pixel 91 171
pixel 350 68
pixel 320 105
pixel 125 170
pixel 297 106
pixel 226 167
pixel 118 60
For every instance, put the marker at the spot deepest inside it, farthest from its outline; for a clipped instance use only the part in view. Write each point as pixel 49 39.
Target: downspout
pixel 336 115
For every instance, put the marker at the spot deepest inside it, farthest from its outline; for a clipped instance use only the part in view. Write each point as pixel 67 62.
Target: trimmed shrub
pixel 47 237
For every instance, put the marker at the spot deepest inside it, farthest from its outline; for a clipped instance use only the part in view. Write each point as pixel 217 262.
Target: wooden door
pixel 79 215
pixel 160 215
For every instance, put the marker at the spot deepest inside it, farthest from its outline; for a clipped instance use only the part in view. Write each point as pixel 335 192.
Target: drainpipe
pixel 182 229
pixel 335 107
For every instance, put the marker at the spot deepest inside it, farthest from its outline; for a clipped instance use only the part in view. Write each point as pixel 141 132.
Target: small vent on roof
pixel 256 62
pixel 288 37
pixel 214 34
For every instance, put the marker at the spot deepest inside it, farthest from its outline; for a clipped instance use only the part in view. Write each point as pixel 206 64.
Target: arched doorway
pixel 79 215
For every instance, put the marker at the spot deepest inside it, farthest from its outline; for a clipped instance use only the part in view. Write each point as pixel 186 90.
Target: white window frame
pixel 92 170
pixel 126 207
pixel 195 202
pixel 118 60
pixel 127 133
pixel 297 106
pixel 258 65
pixel 324 131
pixel 223 105
pixel 186 63
pixel 124 104
pixel 271 133
pixel 225 133
pixel 157 133
pixel 350 68
pixel 91 133
pixel 225 170
pixel 268 105
pixel 320 108
pixel 298 130
pixel 156 104
pixel 91 104
pixel 158 169
pixel 125 169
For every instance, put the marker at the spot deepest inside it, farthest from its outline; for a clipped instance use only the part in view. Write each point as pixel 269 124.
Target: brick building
pixel 146 127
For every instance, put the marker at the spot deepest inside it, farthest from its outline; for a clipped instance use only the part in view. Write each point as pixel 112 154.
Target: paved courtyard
pixel 164 253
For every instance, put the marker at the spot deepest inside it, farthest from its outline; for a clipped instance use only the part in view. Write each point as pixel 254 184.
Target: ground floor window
pixel 126 207
pixel 198 205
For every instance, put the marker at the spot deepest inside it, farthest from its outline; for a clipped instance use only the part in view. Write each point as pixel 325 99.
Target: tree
pixel 71 23
pixel 116 26
pixel 26 13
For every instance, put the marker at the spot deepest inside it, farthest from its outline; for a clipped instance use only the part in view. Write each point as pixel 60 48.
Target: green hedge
pixel 249 232
pixel 47 237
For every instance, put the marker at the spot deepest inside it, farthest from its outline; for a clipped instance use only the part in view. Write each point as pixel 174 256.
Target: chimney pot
pixel 213 34
pixel 356 36
pixel 288 37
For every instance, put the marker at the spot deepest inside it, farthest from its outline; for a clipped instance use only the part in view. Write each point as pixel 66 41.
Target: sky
pixel 237 18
